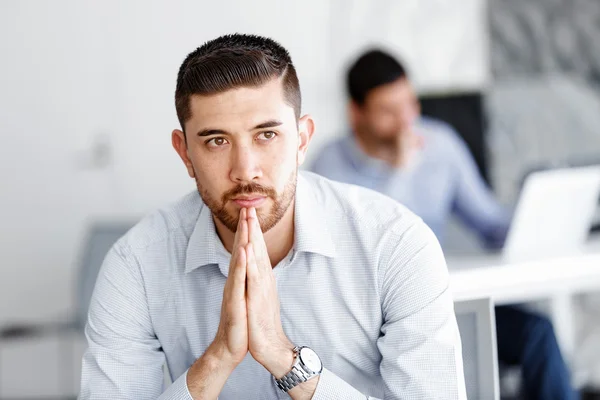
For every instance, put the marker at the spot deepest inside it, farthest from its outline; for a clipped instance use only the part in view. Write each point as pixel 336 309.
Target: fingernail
pixel 253 212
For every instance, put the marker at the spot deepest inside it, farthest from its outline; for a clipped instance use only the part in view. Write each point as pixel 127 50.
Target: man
pixel 423 164
pixel 222 286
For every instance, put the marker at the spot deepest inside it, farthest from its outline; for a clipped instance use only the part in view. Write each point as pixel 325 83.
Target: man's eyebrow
pixel 210 132
pixel 268 124
pixel 263 125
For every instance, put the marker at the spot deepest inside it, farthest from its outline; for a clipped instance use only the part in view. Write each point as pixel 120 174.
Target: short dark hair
pixel 371 70
pixel 233 61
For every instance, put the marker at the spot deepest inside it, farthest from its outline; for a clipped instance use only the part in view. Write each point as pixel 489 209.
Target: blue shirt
pixel 441 180
pixel 365 285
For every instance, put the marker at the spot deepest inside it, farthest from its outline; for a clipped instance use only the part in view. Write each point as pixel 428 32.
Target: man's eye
pixel 266 135
pixel 216 142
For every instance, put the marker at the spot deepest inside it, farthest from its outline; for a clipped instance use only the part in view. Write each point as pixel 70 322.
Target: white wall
pixel 57 94
pixel 74 72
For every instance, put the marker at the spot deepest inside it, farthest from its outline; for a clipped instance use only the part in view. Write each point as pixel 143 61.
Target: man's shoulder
pixel 438 129
pixel 434 124
pixel 441 135
pixel 368 222
pixel 158 227
pixel 357 203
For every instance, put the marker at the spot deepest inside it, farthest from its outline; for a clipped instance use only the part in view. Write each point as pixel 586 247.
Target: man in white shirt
pixel 267 282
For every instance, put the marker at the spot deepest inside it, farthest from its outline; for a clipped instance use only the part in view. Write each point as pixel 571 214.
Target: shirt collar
pixel 204 246
pixel 311 233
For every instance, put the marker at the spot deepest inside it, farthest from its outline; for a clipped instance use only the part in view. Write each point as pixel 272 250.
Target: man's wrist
pixel 281 363
pixel 279 359
pixel 305 390
pixel 217 355
pixel 207 376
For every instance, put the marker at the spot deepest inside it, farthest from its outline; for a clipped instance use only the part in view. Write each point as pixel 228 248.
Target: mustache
pixel 251 188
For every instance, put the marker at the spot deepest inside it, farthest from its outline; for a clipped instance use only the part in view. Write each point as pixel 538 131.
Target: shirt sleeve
pixel 474 203
pixel 420 342
pixel 124 359
pixel 332 387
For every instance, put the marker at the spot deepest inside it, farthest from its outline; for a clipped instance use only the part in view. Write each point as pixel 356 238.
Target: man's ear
pixel 180 145
pixel 306 129
pixel 354 113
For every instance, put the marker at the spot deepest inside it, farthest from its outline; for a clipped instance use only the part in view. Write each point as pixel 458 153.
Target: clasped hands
pixel 250 313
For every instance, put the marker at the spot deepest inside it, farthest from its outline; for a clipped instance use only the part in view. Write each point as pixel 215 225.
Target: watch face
pixel 310 359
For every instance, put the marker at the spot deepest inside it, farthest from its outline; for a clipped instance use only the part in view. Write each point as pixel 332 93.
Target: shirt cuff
pixel 332 387
pixel 178 390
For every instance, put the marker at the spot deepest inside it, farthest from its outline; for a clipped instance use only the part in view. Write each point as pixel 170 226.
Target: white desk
pixel 513 282
pixel 555 279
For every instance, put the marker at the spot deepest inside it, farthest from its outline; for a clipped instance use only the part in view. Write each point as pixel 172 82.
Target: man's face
pixel 243 150
pixel 388 111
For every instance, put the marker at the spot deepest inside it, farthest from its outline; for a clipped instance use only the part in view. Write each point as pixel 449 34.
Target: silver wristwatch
pixel 307 365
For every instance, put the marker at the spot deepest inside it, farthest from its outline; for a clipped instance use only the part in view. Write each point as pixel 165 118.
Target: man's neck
pixel 279 239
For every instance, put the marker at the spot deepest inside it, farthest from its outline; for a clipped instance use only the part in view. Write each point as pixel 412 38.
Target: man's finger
pixel 237 274
pixel 255 236
pixel 244 235
pixel 237 234
pixel 241 234
pixel 251 266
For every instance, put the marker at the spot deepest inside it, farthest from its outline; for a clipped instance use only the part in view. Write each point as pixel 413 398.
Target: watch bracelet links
pixel 292 379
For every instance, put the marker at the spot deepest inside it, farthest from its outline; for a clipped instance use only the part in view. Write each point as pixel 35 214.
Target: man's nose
pixel 245 164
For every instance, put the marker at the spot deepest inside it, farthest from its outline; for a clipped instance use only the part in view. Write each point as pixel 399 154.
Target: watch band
pixel 292 379
pixel 296 376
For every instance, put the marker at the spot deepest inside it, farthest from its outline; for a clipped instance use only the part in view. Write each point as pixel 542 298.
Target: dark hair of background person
pixel 372 69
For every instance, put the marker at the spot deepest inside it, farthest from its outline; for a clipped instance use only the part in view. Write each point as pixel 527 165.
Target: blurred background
pixel 87 109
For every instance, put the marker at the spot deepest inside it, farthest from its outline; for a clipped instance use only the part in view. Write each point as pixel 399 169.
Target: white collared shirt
pixel 366 287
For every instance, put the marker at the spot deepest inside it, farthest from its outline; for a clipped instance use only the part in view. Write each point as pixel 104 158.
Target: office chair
pixel 99 239
pixel 477 325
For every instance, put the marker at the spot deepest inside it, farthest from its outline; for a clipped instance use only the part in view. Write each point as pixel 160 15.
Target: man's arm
pixel 124 359
pixel 207 376
pixel 420 342
pixel 474 203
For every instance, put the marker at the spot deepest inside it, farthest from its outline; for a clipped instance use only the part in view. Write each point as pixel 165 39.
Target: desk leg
pixel 561 314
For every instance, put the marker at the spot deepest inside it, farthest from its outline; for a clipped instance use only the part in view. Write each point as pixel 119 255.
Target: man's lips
pixel 249 201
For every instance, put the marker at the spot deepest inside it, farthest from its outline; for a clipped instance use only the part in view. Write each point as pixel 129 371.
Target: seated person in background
pixel 224 284
pixel 423 164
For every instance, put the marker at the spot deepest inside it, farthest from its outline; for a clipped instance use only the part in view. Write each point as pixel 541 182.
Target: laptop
pixel 554 213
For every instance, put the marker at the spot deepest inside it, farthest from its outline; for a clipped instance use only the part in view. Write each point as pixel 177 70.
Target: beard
pixel 268 219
